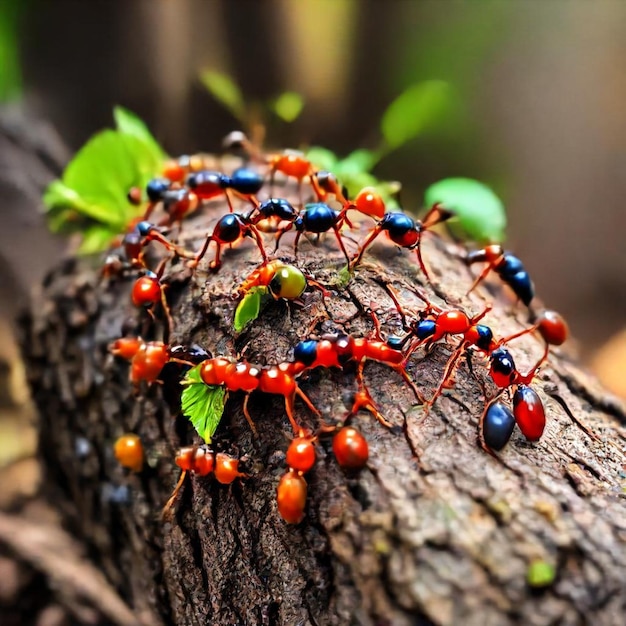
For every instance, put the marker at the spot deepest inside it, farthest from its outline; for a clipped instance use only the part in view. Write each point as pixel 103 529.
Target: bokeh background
pixel 537 110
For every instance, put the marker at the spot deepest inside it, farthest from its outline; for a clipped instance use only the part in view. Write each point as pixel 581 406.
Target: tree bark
pixel 433 531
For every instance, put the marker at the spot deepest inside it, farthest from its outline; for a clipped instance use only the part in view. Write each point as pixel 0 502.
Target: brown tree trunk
pixel 433 531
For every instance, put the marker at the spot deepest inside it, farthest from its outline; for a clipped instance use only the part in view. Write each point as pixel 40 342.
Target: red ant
pixel 148 290
pixel 147 358
pixel 402 229
pixel 243 376
pixel 338 350
pixel 281 280
pixel 202 461
pixel 244 182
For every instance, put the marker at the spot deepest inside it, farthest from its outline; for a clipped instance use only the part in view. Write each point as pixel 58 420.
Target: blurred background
pixel 535 107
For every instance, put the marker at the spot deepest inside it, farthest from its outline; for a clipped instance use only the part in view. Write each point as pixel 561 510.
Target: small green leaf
pixel 322 158
pixel 344 276
pixel 480 214
pixel 288 106
pixel 540 574
pixel 357 162
pixel 202 404
pixel 130 124
pixel 225 91
pixel 413 111
pixel 248 308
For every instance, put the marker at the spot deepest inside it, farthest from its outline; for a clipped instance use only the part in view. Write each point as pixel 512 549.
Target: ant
pixel 229 229
pixel 281 280
pixel 147 358
pixel 202 461
pixel 148 290
pixel 338 350
pixel 208 184
pixel 510 269
pixel 401 228
pixel 243 376
pixel 315 217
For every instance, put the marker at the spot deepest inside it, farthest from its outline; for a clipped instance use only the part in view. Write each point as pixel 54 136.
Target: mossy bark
pixel 433 531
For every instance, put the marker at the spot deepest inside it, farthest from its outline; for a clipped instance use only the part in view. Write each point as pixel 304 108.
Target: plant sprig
pixel 91 197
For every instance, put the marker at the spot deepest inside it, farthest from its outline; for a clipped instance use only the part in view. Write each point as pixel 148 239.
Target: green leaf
pixel 95 239
pixel 202 404
pixel 480 214
pixel 288 106
pixel 355 181
pixel 96 181
pixel 130 124
pixel 413 111
pixel 322 158
pixel 248 308
pixel 225 91
pixel 540 574
pixel 357 162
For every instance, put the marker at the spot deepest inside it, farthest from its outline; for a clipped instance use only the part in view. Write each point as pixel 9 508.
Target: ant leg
pixel 363 399
pixel 357 259
pixel 343 248
pixel 259 242
pixel 289 406
pixel 448 372
pixel 295 244
pixel 307 401
pixel 166 512
pixel 418 251
pixel 168 313
pixel 400 368
pixel 480 278
pixel 528 378
pixel 198 257
pixel 216 263
pixel 229 201
pixel 246 413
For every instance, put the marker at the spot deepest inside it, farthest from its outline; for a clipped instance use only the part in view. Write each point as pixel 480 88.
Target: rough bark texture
pixel 433 531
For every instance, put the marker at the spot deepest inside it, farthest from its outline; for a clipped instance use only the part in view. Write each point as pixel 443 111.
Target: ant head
pixel 481 336
pixel 305 352
pixel 503 369
pixel 156 188
pixel 143 228
pixel 493 253
pixel 424 328
pixel 246 181
pixel 235 141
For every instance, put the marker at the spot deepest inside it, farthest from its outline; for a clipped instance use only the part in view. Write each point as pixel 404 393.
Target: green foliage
pixel 540 574
pixel 91 197
pixel 287 106
pixel 130 124
pixel 249 307
pixel 480 214
pixel 10 70
pixel 202 404
pixel 412 113
pixel 225 91
pixel 414 110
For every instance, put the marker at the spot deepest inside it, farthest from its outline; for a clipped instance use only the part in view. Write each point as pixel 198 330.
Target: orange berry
pixel 350 448
pixel 129 452
pixel 291 497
